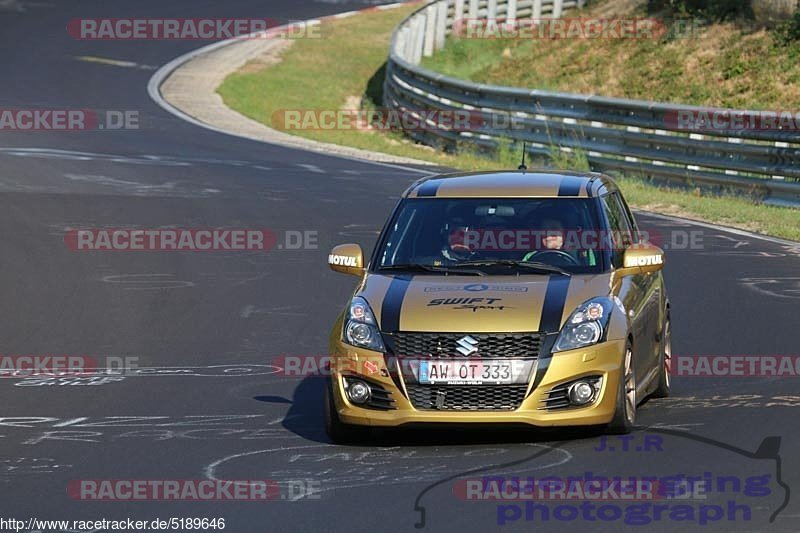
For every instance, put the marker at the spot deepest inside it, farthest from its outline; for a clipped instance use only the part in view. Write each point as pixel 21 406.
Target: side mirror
pixel 347 259
pixel 642 258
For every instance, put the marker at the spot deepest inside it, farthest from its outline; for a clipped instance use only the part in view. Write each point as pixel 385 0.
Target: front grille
pixel 466 397
pixel 444 345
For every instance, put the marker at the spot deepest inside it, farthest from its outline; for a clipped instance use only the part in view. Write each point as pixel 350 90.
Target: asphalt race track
pixel 204 328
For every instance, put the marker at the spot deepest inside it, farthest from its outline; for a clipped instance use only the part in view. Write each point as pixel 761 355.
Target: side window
pixel 620 227
pixel 636 237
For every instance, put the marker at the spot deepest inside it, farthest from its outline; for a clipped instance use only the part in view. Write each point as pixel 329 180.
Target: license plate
pixel 472 372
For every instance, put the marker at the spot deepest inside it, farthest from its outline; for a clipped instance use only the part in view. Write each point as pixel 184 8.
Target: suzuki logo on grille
pixel 467 345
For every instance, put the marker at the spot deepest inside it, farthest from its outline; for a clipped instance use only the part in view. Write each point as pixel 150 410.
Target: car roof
pixel 513 184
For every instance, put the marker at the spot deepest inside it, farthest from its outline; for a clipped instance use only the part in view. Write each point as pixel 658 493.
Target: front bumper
pixel 604 359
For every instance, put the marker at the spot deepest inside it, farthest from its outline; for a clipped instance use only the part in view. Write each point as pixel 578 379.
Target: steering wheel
pixel 560 253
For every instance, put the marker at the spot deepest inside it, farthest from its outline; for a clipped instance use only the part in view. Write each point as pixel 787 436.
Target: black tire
pixel 665 360
pixel 338 431
pixel 625 413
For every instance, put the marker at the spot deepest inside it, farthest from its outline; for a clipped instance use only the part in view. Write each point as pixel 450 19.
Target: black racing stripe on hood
pixel 393 303
pixel 554 300
pixel 429 188
pixel 570 186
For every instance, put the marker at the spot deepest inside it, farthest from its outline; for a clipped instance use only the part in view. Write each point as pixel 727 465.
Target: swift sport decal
pixel 473 304
pixel 462 301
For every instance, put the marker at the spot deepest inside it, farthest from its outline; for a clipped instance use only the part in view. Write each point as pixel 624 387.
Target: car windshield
pixel 478 236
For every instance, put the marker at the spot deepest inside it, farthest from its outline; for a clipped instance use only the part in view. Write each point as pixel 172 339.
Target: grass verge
pixel 727 64
pixel 344 70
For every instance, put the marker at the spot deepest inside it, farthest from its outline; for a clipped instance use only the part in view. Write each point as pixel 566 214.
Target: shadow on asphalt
pixel 305 419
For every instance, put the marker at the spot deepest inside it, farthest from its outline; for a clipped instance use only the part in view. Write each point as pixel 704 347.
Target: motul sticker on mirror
pixel 342 260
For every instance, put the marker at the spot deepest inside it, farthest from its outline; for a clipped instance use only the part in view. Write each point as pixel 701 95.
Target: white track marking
pixel 210 471
pixel 311 168
pixel 147 279
pixel 114 62
pixel 783 287
pixel 154 85
pixel 734 231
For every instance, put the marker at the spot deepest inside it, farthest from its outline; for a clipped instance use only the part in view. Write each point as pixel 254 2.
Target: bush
pixel 717 10
pixel 789 31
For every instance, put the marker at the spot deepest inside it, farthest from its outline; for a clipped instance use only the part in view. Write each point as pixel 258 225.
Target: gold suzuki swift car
pixel 505 297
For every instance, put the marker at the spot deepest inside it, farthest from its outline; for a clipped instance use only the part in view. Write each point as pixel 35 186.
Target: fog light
pixel 358 391
pixel 581 393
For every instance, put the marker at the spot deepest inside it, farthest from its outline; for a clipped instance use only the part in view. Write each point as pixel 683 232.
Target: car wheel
pixel 625 413
pixel 338 431
pixel 662 389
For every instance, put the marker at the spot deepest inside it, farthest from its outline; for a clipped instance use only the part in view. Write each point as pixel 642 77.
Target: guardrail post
pixel 491 14
pixel 459 21
pixel 511 11
pixel 537 11
pixel 441 24
pixel 401 46
pixel 473 9
pixel 558 8
pixel 430 30
pixel 418 39
pixel 458 10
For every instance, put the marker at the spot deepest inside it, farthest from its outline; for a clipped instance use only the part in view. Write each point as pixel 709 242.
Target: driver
pixel 552 243
pixel 456 247
pixel 552 238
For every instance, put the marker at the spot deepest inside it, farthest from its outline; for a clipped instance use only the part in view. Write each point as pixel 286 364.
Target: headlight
pixel 360 326
pixel 586 326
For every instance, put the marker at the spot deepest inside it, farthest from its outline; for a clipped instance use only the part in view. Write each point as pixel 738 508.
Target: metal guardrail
pixel 615 134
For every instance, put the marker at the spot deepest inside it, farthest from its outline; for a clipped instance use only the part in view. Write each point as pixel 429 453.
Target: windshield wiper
pixel 531 265
pixel 419 267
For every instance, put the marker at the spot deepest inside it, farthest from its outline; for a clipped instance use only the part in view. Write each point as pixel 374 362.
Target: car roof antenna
pixel 522 166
